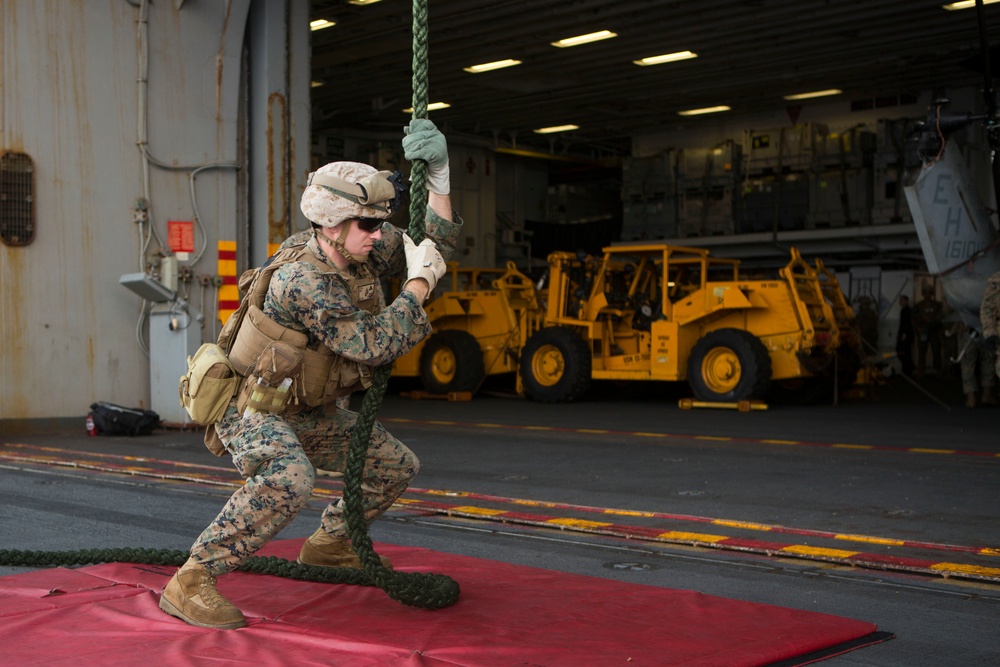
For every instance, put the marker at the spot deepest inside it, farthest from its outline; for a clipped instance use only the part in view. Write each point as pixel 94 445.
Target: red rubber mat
pixel 507 615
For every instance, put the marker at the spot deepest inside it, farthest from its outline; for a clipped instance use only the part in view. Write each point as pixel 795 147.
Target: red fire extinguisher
pixel 91 428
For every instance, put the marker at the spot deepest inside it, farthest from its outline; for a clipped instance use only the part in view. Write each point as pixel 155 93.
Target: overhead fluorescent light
pixel 316 84
pixel 815 93
pixel 666 58
pixel 433 106
pixel 556 128
pixel 319 24
pixel 585 39
pixel 497 64
pixel 966 4
pixel 362 2
pixel 698 112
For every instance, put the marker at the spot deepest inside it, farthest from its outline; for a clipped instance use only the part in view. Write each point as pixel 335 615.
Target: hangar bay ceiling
pixel 750 54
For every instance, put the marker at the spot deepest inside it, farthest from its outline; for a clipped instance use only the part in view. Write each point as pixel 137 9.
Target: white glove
pixel 423 261
pixel 423 141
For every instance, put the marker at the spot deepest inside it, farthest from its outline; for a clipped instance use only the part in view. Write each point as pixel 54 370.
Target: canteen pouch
pixel 209 384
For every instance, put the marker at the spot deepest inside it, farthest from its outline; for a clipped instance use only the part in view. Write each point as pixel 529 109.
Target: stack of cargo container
pixel 708 186
pixel 779 164
pixel 781 179
pixel 895 163
pixel 841 192
pixel 649 197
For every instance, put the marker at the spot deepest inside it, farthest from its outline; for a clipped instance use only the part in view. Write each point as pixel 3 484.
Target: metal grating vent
pixel 17 199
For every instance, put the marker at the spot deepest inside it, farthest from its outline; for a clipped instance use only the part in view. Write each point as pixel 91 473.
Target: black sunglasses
pixel 370 224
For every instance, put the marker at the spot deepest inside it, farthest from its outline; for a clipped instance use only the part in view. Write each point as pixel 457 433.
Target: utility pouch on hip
pixel 210 382
pixel 273 382
pixel 213 441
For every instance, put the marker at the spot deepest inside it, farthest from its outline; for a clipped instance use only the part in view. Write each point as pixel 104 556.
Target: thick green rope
pixel 430 591
pixel 420 590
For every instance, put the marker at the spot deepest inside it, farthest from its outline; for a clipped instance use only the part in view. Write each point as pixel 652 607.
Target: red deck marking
pixel 224 476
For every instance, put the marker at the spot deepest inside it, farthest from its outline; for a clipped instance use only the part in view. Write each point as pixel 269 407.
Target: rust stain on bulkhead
pixel 277 168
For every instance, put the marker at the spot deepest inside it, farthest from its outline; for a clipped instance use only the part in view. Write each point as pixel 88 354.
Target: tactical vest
pixel 325 375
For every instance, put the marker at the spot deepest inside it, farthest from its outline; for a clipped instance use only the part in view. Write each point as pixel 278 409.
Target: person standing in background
pixel 904 336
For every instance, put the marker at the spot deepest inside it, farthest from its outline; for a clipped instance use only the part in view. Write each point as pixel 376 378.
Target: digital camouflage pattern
pixel 978 364
pixel 279 454
pixel 989 311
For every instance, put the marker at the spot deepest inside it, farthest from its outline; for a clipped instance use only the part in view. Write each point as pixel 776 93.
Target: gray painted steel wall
pixel 70 96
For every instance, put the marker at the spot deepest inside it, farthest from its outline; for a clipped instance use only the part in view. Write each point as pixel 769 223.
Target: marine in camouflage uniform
pixel 345 311
pixel 978 366
pixel 989 315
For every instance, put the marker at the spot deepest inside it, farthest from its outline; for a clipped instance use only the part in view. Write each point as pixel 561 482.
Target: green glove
pixel 423 141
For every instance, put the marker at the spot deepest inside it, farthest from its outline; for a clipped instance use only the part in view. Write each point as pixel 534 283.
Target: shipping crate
pixel 783 149
pixel 645 177
pixel 649 219
pixel 773 203
pixel 840 198
pixel 723 160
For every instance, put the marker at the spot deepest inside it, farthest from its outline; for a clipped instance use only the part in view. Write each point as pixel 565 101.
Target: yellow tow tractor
pixel 647 311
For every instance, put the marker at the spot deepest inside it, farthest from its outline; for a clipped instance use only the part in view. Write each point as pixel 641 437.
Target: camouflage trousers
pixel 978 365
pixel 278 455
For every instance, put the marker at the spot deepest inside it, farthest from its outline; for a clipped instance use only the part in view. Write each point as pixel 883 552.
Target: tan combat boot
pixel 970 399
pixel 325 550
pixel 988 398
pixel 191 597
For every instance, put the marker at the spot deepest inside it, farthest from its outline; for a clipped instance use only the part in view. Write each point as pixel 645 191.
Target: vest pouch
pixel 316 367
pixel 346 377
pixel 255 334
pixel 209 384
pixel 273 382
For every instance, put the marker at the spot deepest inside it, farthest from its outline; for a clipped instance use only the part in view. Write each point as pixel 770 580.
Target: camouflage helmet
pixel 340 191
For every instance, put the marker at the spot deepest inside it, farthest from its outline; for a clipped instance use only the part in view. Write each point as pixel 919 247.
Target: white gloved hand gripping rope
pixel 423 261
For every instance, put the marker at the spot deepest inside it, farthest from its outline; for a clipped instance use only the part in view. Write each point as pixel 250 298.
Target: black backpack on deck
pixel 111 419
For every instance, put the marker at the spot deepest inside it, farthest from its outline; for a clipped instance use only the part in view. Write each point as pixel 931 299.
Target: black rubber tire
pixel 555 366
pixel 737 351
pixel 451 361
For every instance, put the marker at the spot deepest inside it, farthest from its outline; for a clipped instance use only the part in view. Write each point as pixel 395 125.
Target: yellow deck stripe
pixel 817 551
pixel 967 569
pixel 579 523
pixel 741 524
pixel 468 509
pixel 869 539
pixel 692 537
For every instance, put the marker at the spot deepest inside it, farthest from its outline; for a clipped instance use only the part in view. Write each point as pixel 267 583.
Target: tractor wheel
pixel 729 365
pixel 451 361
pixel 555 366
